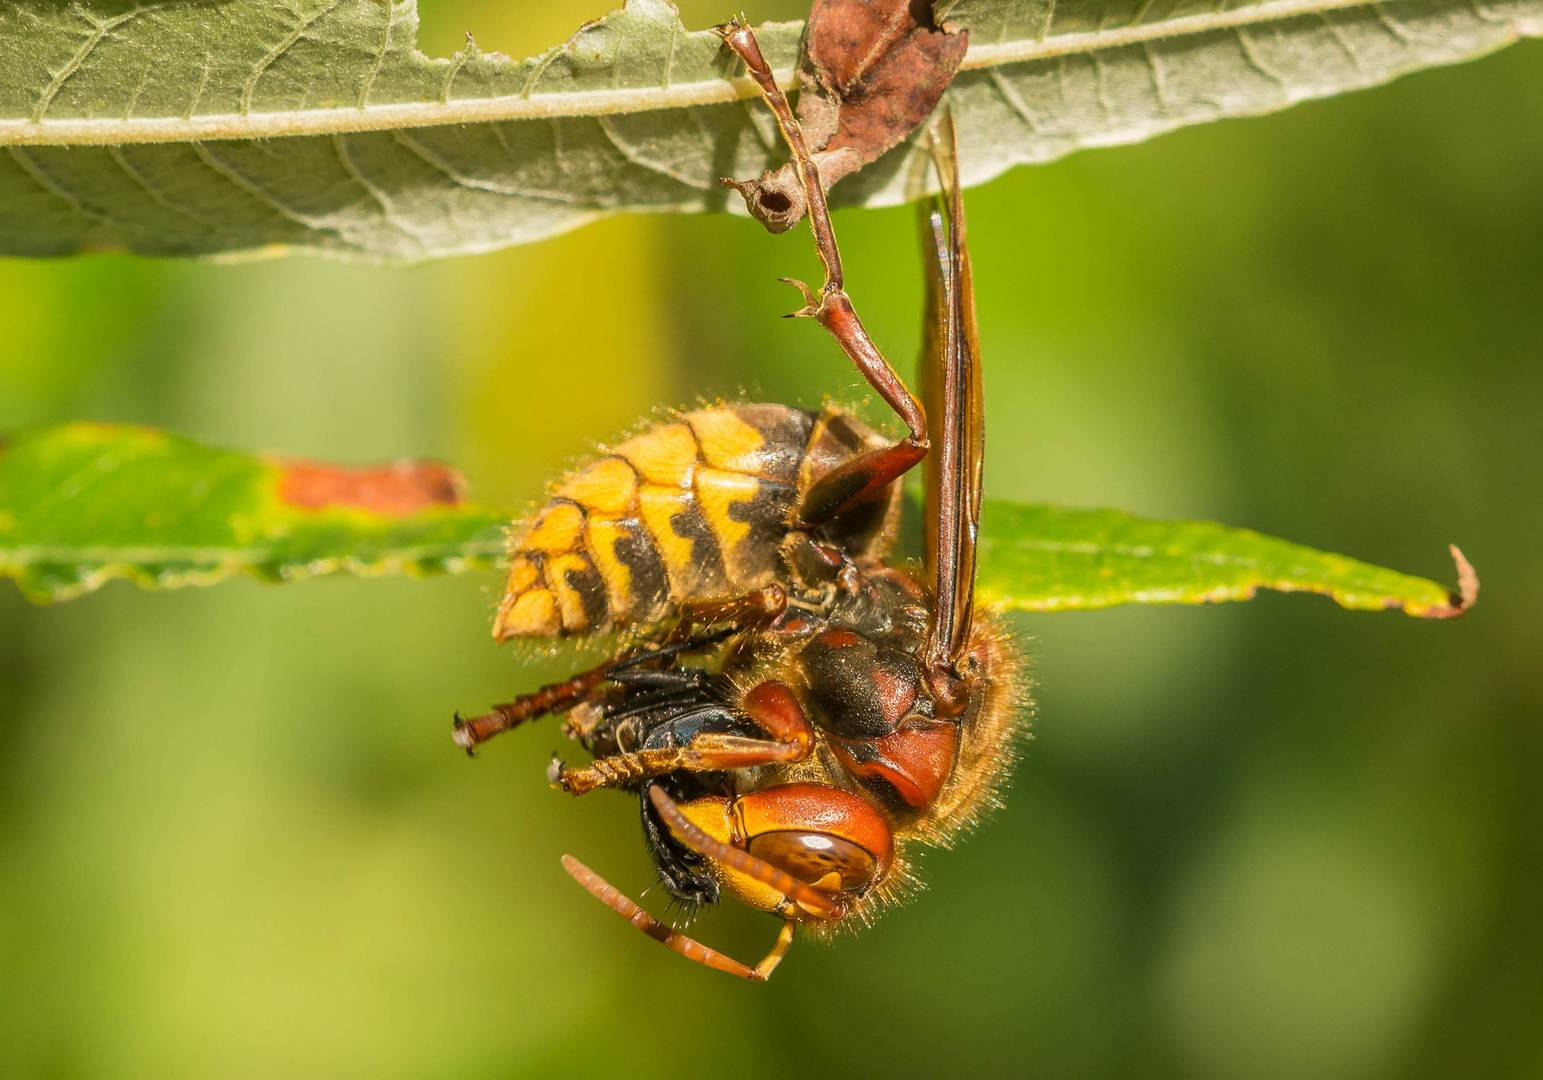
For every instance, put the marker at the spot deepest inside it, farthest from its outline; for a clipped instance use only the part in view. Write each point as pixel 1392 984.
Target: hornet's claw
pixel 812 300
pixel 463 735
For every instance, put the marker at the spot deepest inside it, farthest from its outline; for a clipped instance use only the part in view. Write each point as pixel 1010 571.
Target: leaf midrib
pixel 97 131
pixel 1142 551
pixel 24 555
pixel 1138 551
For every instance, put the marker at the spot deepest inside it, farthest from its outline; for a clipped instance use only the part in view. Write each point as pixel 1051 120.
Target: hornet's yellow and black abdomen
pixel 690 509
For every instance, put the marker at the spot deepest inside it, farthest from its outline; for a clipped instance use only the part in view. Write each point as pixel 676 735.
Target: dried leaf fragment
pixel 872 71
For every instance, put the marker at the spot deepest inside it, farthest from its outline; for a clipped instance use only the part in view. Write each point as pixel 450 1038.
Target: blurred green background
pixel 1265 840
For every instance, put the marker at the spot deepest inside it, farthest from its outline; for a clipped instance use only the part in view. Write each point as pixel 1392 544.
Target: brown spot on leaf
pixel 872 72
pixel 395 490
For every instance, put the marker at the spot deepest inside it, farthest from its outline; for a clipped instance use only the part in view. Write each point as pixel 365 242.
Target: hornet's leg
pixel 748 612
pixel 555 697
pixel 563 696
pixel 771 706
pixel 865 476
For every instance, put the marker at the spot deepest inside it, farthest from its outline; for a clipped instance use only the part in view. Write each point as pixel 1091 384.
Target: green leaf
pixel 189 127
pixel 81 504
pixel 1048 558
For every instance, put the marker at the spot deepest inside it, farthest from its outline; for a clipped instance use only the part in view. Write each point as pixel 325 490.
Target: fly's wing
pixel 951 395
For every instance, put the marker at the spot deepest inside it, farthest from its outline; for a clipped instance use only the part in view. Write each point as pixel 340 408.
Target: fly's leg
pixel 771 706
pixel 865 476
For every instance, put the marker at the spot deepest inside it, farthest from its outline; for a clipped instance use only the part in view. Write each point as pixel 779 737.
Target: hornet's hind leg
pixel 662 690
pixel 867 475
pixel 757 608
pixel 555 697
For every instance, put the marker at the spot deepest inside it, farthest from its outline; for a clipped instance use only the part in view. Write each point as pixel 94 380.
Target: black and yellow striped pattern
pixel 691 509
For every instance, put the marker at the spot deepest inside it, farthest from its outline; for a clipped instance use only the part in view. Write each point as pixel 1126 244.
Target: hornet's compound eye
pixel 812 857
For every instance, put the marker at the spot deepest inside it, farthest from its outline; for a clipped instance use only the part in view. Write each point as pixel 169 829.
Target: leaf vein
pixel 375 191
pixel 1044 26
pixel 1009 94
pixel 203 83
pixel 638 158
pixel 256 190
pixel 476 183
pixel 121 160
pixel 101 29
pixel 43 180
pixel 669 60
pixel 1101 82
pixel 1337 32
pixel 1251 54
pixel 262 66
pixel 1392 26
pixel 543 62
pixel 457 62
pixel 380 54
pixel 1154 67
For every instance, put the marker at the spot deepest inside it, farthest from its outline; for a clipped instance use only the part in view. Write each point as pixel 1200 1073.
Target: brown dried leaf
pixel 872 71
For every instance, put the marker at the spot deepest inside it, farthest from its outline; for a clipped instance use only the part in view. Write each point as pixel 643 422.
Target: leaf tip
pixel 1467 593
pixel 1467 579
